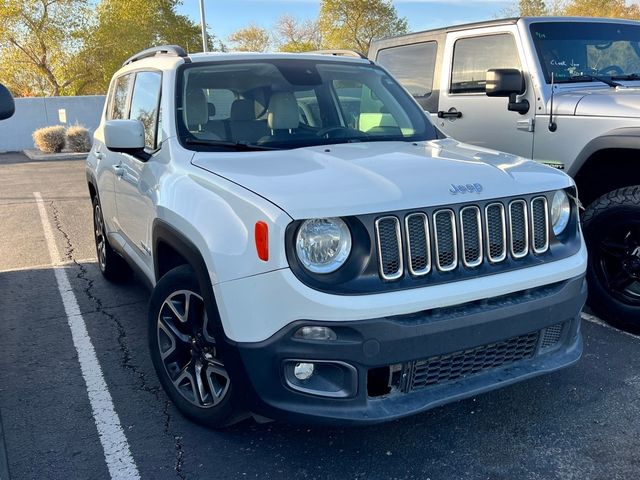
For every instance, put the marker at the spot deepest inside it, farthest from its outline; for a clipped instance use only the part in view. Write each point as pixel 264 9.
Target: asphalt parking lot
pixel 579 423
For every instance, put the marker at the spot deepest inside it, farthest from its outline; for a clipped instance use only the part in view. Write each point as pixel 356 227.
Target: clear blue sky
pixel 226 16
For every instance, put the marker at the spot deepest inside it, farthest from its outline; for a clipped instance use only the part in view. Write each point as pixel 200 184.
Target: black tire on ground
pixel 112 266
pixel 184 352
pixel 611 227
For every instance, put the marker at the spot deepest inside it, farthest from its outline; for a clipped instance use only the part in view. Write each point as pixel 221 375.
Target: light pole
pixel 203 26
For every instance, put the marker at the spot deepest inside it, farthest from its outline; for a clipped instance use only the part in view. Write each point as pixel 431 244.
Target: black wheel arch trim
pixel 620 138
pixel 165 233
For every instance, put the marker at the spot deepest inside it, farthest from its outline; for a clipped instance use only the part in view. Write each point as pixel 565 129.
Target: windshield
pixel 575 50
pixel 291 103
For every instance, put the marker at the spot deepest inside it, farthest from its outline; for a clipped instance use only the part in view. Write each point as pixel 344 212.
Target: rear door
pixel 107 161
pixel 465 112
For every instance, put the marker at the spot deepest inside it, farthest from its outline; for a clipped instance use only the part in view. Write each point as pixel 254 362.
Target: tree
pixel 602 8
pixel 353 24
pixel 250 39
pixel 293 35
pixel 40 40
pixel 124 28
pixel 532 8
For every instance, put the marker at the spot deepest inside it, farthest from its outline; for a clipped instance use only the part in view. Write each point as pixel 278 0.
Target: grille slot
pixel 418 244
pixel 496 232
pixel 540 224
pixel 471 228
pixel 518 228
pixel 448 368
pixel 389 247
pixel 551 336
pixel 445 237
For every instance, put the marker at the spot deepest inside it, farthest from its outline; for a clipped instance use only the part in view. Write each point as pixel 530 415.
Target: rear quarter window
pixel 413 66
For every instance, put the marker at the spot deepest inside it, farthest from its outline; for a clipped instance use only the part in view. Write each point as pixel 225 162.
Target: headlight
pixel 323 244
pixel 560 211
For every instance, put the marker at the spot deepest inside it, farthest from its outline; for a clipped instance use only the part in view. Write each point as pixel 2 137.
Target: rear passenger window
pixel 412 65
pixel 220 101
pixel 472 57
pixel 118 109
pixel 145 103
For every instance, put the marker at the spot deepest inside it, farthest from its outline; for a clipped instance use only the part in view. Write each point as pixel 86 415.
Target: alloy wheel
pixel 188 350
pixel 619 263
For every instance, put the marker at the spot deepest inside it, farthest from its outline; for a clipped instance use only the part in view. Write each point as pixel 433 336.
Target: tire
pixel 112 266
pixel 183 350
pixel 611 228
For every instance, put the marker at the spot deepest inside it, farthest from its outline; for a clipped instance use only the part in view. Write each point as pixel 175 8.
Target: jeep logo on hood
pixel 468 188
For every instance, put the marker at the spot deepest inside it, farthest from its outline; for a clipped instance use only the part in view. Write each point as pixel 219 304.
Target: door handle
pixel 119 169
pixel 99 155
pixel 452 113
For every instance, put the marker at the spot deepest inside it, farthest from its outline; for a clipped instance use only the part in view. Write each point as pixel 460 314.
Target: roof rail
pixel 173 50
pixel 339 53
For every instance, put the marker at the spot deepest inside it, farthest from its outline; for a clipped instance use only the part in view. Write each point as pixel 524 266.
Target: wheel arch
pixel 596 173
pixel 92 184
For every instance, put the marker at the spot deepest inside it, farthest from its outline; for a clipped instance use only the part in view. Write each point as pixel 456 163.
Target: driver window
pixel 472 57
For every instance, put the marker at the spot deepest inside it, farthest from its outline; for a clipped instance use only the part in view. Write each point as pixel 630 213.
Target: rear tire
pixel 184 353
pixel 112 266
pixel 611 228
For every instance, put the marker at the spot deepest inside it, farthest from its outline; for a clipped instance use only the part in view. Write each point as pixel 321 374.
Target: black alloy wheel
pixel 612 231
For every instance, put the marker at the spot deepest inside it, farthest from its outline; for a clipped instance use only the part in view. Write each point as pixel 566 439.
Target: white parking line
pixel 114 442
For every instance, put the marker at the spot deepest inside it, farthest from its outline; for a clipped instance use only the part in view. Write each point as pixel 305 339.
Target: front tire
pixel 184 352
pixel 611 227
pixel 112 266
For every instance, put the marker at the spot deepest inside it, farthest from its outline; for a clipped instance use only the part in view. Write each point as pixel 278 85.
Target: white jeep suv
pixel 316 251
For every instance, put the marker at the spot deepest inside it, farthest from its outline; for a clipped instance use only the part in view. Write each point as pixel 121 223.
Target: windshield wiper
pixel 585 76
pixel 238 146
pixel 628 76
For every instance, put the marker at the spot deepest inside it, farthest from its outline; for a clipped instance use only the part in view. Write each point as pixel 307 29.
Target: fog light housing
pixel 316 333
pixel 303 371
pixel 324 378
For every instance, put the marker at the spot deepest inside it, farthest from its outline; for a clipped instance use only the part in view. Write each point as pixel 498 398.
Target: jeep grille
pixel 468 236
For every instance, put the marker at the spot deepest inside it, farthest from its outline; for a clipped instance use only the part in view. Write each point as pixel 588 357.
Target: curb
pixel 35 154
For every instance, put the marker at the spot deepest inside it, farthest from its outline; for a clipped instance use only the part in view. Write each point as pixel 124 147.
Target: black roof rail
pixel 339 53
pixel 173 50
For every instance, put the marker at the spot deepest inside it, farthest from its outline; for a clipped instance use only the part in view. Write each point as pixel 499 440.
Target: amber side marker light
pixel 262 240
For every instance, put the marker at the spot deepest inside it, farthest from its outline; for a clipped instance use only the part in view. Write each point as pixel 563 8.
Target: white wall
pixel 34 113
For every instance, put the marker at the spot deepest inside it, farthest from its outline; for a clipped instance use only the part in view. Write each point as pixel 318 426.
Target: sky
pixel 225 16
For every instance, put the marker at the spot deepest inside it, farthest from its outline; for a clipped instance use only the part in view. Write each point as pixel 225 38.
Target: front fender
pixel 622 138
pixel 218 219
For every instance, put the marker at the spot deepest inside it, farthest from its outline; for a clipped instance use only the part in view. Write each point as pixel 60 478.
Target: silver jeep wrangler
pixel 572 88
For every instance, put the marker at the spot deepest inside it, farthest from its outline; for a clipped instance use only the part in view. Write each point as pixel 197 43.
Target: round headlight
pixel 323 244
pixel 560 211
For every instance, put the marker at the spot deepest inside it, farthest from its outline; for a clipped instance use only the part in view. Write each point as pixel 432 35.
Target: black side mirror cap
pixel 7 105
pixel 504 82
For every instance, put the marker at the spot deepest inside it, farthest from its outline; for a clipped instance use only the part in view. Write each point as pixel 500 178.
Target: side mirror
pixel 125 136
pixel 508 82
pixel 7 105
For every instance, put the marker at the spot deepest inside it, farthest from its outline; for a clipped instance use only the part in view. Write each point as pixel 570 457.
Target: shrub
pixel 78 139
pixel 49 139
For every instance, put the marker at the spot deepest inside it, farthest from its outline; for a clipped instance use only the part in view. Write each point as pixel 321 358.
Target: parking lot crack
pixel 177 442
pixel 88 290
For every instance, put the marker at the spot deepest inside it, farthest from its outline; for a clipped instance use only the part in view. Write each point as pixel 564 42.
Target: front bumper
pixel 470 348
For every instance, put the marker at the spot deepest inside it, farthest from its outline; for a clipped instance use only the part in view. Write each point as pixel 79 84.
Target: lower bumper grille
pixel 464 363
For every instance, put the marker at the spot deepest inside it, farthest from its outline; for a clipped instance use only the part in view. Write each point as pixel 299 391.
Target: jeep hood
pixel 601 102
pixel 361 178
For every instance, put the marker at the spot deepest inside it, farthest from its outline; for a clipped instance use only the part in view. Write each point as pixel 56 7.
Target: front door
pixel 135 181
pixel 465 112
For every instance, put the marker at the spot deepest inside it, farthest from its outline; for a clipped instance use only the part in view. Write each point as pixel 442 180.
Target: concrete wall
pixel 34 113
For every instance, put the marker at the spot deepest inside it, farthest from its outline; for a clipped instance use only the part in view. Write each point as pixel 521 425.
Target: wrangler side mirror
pixel 7 106
pixel 508 82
